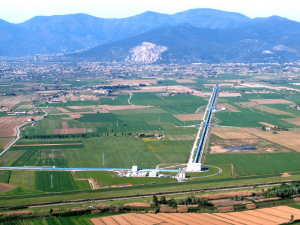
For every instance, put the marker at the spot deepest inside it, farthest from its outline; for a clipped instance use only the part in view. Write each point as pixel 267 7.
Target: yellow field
pixel 287 139
pixel 230 133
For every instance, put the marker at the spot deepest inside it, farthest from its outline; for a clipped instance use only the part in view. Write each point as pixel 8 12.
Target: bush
pixel 163 200
pixel 154 200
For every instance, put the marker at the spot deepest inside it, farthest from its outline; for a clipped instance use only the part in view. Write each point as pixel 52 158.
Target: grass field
pixel 34 158
pixel 4 176
pixel 123 152
pixel 254 164
pixel 62 181
pixel 24 179
pixel 110 178
pixel 250 117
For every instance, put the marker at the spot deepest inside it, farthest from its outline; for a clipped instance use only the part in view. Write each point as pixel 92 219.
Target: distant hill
pixel 186 43
pixel 70 33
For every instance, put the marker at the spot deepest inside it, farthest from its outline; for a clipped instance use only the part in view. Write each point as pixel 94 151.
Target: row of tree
pixel 283 191
pixel 181 201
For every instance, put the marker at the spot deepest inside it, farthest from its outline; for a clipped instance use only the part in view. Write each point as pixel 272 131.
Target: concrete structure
pixel 153 174
pixel 181 174
pixel 194 167
pixel 134 169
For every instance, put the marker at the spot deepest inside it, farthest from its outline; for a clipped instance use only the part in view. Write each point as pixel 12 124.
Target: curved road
pixel 18 133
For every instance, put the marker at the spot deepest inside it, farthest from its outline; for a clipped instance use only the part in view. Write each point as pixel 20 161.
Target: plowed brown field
pixel 9 124
pixel 230 133
pixel 69 131
pixel 271 101
pixel 228 107
pixel 287 139
pixel 270 216
pixel 189 117
pixel 6 187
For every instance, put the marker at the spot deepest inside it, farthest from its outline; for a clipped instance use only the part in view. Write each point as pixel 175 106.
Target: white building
pixel 153 174
pixel 194 167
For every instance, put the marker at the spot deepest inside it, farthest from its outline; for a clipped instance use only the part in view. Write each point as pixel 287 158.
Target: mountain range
pixel 196 35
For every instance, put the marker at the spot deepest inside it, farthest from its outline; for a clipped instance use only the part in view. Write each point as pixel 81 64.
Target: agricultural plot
pixel 60 181
pixel 110 178
pixel 4 176
pixel 6 187
pixel 120 100
pixel 8 124
pixel 251 145
pixel 251 117
pixel 288 139
pixel 254 164
pixel 123 152
pixel 34 158
pixel 24 179
pixel 153 100
pixel 5 141
pixel 47 144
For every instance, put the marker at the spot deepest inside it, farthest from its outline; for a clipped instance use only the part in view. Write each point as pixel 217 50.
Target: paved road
pixel 18 133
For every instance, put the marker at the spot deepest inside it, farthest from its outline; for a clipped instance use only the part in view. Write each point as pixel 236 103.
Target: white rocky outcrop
pixel 284 48
pixel 145 53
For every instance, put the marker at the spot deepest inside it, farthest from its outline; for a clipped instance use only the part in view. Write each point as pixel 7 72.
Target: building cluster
pixel 136 173
pixel 18 113
pixel 15 70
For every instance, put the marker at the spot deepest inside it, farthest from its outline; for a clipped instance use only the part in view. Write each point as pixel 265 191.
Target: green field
pixel 250 164
pixel 34 158
pixel 61 181
pixel 24 179
pixel 251 117
pixel 123 152
pixel 4 176
pixel 110 178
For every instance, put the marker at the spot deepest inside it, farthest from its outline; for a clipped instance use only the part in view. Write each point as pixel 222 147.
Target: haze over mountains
pixel 197 35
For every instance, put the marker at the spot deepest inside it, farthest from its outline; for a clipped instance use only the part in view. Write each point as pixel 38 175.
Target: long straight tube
pixel 206 124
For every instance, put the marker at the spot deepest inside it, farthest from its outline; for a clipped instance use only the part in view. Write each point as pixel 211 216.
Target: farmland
pixel 121 122
pixel 250 164
pixel 109 178
pixel 61 181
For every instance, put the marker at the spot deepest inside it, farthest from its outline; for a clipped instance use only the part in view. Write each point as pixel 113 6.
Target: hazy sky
pixel 17 11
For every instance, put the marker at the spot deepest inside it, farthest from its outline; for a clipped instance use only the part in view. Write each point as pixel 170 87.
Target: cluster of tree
pixel 181 201
pixel 86 135
pixel 273 81
pixel 276 128
pixel 283 191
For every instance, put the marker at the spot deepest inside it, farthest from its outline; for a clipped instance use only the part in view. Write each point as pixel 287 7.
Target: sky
pixel 16 11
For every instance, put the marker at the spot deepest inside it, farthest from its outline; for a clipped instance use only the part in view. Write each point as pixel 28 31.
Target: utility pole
pixel 103 157
pixel 51 177
pixel 184 125
pixel 75 126
pixel 159 119
pixel 117 123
